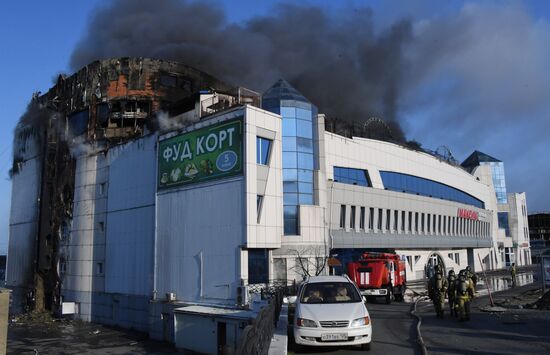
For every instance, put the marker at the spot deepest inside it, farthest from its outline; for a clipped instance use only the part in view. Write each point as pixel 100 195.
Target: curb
pixel 419 318
pixel 279 341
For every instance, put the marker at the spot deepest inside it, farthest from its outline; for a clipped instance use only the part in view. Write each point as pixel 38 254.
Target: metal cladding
pixel 107 102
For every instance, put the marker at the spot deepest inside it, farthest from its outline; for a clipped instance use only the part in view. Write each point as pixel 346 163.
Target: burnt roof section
pixel 478 157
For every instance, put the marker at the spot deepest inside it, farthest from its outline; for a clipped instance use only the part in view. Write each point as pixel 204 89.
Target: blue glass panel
pixel 305 175
pixel 290 174
pixel 305 187
pixel 289 144
pixel 306 199
pixel 291 226
pixel 420 186
pixel 290 160
pixel 304 129
pixel 305 161
pixel 290 186
pixel 304 145
pixel 263 146
pixel 290 198
pixel 290 212
pixel 289 127
pixel 288 112
pixel 303 114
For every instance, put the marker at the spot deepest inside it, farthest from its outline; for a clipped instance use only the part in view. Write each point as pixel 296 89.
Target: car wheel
pixel 389 295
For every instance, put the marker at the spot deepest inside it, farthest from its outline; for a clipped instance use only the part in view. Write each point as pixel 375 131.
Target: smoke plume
pixel 338 62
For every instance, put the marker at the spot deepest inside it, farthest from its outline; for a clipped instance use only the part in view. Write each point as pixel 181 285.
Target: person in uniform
pixel 471 275
pixel 438 289
pixel 451 292
pixel 514 273
pixel 464 295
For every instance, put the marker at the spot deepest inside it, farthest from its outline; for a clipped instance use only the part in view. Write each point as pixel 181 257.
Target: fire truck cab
pixel 379 275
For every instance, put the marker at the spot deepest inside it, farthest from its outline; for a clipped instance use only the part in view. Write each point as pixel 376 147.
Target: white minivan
pixel 331 312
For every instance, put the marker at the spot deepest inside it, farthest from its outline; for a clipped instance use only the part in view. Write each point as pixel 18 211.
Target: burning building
pixel 141 187
pixel 103 105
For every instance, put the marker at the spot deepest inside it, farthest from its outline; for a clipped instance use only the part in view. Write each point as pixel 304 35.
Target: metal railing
pixel 256 337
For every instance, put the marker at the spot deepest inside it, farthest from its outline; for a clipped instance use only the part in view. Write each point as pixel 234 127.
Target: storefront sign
pixel 205 154
pixel 468 214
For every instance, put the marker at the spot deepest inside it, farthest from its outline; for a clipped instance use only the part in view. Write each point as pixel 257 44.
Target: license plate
pixel 334 336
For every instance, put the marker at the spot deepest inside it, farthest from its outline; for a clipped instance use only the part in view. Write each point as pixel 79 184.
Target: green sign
pixel 205 154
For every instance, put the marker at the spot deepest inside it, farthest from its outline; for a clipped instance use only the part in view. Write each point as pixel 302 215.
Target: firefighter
pixel 451 292
pixel 438 285
pixel 464 293
pixel 471 275
pixel 514 273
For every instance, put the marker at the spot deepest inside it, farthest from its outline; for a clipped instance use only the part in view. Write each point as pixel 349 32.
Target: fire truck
pixel 379 275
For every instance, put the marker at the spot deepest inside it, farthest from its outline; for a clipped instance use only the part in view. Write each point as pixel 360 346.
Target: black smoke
pixel 345 67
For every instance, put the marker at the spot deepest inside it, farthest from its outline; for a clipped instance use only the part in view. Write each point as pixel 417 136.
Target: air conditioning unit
pixel 171 297
pixel 242 296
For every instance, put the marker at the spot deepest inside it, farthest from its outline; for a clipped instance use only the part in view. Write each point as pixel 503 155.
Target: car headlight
pixel 302 322
pixel 359 322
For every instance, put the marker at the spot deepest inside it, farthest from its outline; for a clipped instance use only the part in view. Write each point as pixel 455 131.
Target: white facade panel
pixel 23 227
pixel 199 233
pixel 129 251
pixel 131 218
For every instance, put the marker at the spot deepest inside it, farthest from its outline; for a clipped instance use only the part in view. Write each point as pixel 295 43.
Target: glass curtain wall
pixel 298 160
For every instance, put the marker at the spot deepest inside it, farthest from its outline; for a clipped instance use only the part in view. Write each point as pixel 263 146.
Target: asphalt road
pixel 515 331
pixel 394 332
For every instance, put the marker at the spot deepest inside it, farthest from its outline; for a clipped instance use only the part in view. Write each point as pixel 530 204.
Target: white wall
pixel 208 219
pixel 23 228
pixel 131 217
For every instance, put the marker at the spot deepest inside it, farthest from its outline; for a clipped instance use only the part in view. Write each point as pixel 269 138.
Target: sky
pixel 468 75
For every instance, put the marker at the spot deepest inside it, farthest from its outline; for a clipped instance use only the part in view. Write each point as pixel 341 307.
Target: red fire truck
pixel 379 274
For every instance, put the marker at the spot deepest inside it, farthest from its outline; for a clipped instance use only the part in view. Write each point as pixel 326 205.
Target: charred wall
pixel 105 103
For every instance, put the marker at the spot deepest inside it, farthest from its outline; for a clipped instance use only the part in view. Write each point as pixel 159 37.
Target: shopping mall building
pixel 243 190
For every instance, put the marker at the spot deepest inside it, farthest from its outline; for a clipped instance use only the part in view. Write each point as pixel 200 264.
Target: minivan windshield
pixel 329 292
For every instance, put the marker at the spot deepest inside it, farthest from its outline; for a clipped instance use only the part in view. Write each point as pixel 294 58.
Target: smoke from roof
pixel 337 62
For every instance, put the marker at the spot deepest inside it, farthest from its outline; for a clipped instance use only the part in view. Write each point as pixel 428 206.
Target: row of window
pixel 387 220
pixel 416 185
pixel 352 176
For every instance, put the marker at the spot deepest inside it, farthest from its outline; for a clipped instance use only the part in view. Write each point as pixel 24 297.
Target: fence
pixel 256 337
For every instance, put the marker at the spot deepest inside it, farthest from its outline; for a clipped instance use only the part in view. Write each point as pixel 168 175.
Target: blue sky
pixel 496 49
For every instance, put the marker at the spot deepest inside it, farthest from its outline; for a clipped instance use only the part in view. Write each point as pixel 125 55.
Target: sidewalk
pixel 511 331
pixel 279 342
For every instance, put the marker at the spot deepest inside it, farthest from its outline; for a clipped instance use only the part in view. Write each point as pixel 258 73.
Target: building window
pixel 457 258
pixel 403 221
pixel 439 223
pixel 342 216
pixel 395 220
pixel 279 269
pixel 100 268
pixel 380 215
pixel 416 222
pixel 362 218
pixel 388 217
pixel 371 218
pixel 290 220
pixel 259 203
pixel 352 218
pixel 101 226
pixel 420 186
pixel 503 222
pixel 352 176
pixel 444 224
pixel 422 223
pixel 429 222
pixel 263 148
pixel 448 225
pixel 434 224
pixel 410 221
pixel 258 268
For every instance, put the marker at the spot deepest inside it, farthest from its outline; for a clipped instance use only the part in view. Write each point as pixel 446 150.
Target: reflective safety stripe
pixel 364 278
